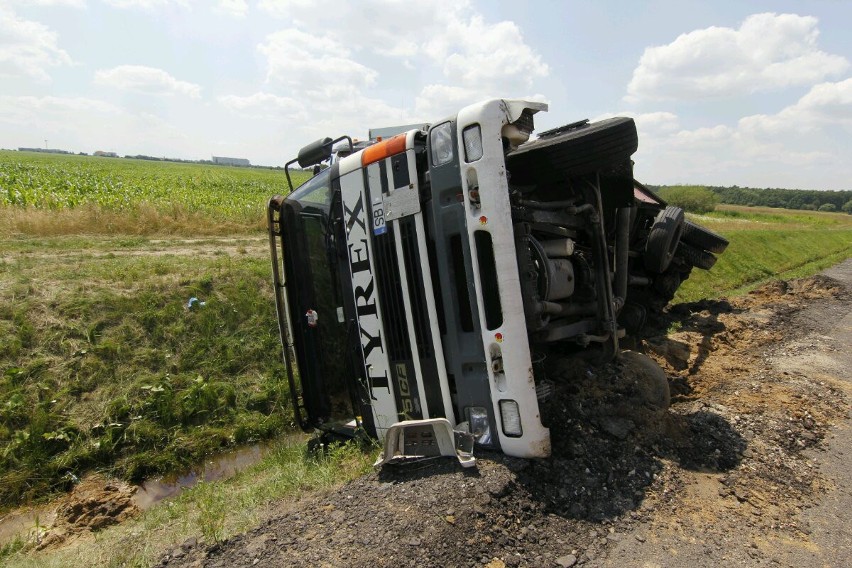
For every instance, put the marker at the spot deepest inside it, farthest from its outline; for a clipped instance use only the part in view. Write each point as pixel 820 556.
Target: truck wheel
pixel 632 318
pixel 651 380
pixel 702 238
pixel 578 148
pixel 663 239
pixel 696 257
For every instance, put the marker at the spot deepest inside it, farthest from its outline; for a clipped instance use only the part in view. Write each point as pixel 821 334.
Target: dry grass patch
pixel 141 220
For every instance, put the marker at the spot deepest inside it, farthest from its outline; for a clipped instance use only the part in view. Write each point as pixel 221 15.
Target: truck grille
pixel 390 294
pixel 414 270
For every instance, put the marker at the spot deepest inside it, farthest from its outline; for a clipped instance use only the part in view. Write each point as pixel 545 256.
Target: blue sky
pixel 750 93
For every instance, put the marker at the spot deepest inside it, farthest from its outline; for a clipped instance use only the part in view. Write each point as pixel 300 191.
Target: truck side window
pixel 315 190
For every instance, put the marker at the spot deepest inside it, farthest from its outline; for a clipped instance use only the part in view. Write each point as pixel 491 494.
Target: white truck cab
pixel 420 281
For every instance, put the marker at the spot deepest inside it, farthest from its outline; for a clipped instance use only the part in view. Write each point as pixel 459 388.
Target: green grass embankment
pixel 105 367
pixel 766 244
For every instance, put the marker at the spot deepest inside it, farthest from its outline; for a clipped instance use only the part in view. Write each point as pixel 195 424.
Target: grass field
pixel 104 367
pixel 768 243
pixel 44 194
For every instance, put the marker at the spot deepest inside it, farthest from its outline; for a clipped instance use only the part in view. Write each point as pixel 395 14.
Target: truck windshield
pixel 315 191
pixel 315 300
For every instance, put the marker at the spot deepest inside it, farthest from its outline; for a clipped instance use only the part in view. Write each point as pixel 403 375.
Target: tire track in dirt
pixel 206 247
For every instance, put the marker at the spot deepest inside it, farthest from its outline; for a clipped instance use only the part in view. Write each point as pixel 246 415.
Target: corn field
pixel 55 182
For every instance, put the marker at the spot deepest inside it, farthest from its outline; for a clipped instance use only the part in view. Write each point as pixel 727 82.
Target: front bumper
pixel 422 439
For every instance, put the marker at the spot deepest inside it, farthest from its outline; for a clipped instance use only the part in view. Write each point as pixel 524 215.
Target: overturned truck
pixel 421 281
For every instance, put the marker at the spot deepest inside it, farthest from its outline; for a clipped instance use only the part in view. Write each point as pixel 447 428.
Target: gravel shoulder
pixel 748 468
pixel 800 528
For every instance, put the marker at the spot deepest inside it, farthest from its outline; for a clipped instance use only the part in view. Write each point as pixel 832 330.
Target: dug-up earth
pixel 95 503
pixel 747 468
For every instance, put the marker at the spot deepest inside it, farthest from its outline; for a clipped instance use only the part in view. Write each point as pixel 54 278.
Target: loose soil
pixel 747 468
pixel 95 503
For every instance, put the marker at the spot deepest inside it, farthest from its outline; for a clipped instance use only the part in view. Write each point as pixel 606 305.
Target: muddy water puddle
pixel 24 522
pixel 222 466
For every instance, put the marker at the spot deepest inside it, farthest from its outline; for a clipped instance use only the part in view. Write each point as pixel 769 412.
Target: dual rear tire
pixel 673 236
pixel 663 239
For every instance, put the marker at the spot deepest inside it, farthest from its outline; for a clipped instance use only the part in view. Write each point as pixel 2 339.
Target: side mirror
pixel 315 152
pixel 313 155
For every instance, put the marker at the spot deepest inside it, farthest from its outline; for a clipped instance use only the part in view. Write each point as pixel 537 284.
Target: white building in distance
pixel 230 161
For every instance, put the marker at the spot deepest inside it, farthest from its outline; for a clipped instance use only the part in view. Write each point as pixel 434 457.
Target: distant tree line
pixel 808 199
pixel 164 159
pixel 692 198
pixel 179 161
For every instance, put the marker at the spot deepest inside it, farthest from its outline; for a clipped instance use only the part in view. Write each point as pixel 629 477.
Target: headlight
pixel 510 414
pixel 472 136
pixel 441 140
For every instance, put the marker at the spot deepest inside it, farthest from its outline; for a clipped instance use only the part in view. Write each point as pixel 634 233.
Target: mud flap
pixel 421 439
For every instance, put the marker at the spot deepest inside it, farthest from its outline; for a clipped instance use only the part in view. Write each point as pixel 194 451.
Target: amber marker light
pixel 383 149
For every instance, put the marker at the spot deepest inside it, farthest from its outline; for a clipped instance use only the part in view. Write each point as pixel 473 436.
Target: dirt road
pixel 748 468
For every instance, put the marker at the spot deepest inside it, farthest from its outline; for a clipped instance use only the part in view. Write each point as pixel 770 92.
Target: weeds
pixel 212 510
pixel 14 546
pixel 105 367
pixel 211 503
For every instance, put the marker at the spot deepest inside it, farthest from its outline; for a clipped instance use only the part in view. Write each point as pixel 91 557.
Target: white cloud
pixel 456 53
pixel 237 8
pixel 21 110
pixel 72 123
pixel 656 123
pixel 28 48
pixel 297 58
pixel 436 101
pixel 826 104
pixel 144 79
pixel 805 144
pixel 449 52
pixel 233 8
pixel 265 105
pixel 86 124
pixel 50 3
pixel 768 51
pixel 284 8
pixel 147 4
pixel 475 52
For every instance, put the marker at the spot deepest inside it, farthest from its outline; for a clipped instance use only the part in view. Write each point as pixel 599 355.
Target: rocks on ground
pixel 729 449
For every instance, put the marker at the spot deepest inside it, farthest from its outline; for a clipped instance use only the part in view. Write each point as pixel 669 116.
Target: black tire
pixel 633 317
pixel 695 256
pixel 663 239
pixel 652 383
pixel 578 148
pixel 703 238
